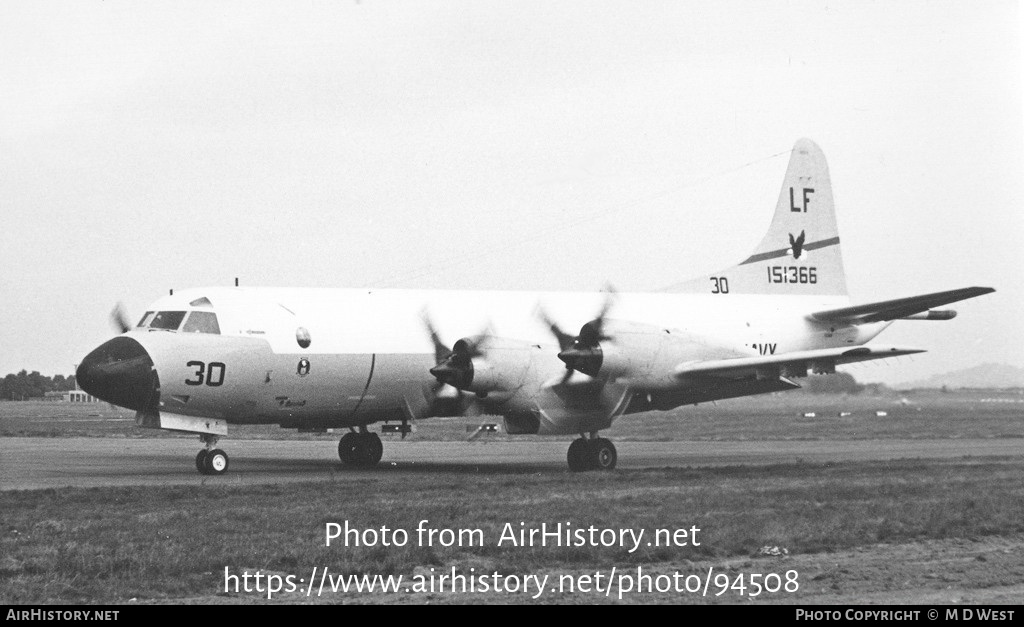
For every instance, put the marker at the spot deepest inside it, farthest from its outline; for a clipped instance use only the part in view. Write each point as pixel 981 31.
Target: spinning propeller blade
pixel 119 318
pixel 584 353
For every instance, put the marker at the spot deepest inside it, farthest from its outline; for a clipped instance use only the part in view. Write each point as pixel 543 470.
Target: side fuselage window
pixel 202 322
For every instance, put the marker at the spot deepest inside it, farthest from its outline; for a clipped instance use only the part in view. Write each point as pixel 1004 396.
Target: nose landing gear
pixel 211 461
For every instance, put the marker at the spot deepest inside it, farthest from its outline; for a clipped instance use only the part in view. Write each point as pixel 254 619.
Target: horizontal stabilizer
pixel 790 364
pixel 898 308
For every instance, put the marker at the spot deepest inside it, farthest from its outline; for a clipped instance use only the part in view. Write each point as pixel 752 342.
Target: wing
pixel 898 308
pixel 823 359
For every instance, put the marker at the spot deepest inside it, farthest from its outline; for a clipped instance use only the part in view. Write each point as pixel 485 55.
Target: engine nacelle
pixel 499 365
pixel 643 355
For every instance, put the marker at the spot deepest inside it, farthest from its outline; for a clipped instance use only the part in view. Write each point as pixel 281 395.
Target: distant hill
pixel 983 376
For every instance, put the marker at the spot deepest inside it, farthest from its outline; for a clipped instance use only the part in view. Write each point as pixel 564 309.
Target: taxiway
pixel 33 463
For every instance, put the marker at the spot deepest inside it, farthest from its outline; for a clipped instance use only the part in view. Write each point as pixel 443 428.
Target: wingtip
pixel 906 350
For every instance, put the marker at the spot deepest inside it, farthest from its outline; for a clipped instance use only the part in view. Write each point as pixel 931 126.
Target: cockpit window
pixel 146 319
pixel 167 320
pixel 202 322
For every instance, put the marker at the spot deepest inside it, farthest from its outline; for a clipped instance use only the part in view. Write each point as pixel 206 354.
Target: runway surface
pixel 31 463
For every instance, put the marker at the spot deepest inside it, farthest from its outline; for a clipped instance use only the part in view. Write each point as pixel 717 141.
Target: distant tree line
pixel 840 383
pixel 26 385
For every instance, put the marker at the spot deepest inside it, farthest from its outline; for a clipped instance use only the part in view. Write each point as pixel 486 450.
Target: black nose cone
pixel 121 372
pixel 585 359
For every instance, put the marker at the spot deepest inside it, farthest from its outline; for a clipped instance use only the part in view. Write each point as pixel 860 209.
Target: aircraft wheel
pixel 578 455
pixel 374 449
pixel 201 461
pixel 349 449
pixel 360 450
pixel 603 454
pixel 216 462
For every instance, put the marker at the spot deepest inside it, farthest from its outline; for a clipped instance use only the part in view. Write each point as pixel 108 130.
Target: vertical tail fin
pixel 800 253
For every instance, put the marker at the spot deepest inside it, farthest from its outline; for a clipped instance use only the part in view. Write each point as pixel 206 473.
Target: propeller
pixel 583 353
pixel 453 367
pixel 565 340
pixel 119 318
pixel 441 351
pixel 457 368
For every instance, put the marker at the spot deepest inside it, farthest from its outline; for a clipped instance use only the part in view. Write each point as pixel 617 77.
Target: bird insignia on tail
pixel 796 245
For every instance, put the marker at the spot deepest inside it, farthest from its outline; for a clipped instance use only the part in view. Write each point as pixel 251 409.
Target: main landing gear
pixel 592 453
pixel 211 461
pixel 362 449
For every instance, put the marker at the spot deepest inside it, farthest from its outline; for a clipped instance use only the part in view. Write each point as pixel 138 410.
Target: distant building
pixel 78 396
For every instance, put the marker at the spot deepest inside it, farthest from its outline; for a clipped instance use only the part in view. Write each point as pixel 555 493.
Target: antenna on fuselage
pixel 236 281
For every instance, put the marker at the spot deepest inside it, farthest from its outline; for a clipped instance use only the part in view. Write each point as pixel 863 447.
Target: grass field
pixel 957 525
pixel 112 545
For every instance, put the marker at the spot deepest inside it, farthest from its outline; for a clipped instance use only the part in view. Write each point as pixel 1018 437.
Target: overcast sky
pixel 512 145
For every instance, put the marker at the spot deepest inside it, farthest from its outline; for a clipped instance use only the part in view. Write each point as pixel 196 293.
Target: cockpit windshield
pixel 169 320
pixel 197 322
pixel 202 322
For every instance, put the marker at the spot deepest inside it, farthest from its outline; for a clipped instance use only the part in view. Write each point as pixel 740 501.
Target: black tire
pixel 201 461
pixel 374 449
pixel 603 455
pixel 360 450
pixel 216 462
pixel 578 455
pixel 350 449
pixel 346 448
